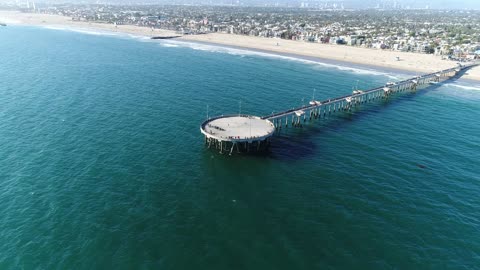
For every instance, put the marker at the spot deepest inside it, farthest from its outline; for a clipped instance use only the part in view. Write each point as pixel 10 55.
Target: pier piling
pixel 244 131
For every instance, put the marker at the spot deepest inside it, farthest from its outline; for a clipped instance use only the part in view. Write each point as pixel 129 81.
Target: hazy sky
pixel 435 4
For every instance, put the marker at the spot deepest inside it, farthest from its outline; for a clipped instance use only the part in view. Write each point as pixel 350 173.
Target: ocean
pixel 103 165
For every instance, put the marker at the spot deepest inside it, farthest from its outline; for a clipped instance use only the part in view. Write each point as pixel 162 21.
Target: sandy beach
pixel 413 62
pixel 11 17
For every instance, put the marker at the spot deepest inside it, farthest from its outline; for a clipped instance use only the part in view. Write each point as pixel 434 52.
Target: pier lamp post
pixel 250 121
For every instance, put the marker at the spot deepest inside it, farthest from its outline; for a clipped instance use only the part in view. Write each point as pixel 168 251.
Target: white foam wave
pixel 139 38
pixel 55 27
pixel 169 45
pixel 231 51
pixel 397 78
pixel 82 30
pixel 465 87
pixel 94 32
pixel 245 52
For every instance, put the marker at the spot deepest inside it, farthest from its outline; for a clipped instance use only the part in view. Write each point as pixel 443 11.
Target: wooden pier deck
pixel 316 108
pixel 246 132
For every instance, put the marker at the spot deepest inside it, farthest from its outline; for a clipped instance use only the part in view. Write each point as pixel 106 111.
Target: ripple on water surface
pixel 103 164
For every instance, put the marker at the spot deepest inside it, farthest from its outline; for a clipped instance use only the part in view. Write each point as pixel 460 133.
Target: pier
pixel 246 133
pixel 237 132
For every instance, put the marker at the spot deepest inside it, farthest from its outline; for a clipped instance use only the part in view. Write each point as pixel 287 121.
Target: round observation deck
pixel 237 128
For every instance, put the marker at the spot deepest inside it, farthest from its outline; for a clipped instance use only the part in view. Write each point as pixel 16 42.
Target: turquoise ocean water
pixel 102 164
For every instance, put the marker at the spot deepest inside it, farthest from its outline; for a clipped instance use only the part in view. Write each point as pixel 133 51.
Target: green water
pixel 103 165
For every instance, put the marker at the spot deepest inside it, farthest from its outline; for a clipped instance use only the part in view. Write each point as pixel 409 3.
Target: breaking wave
pixel 233 51
pixel 247 52
pixel 465 87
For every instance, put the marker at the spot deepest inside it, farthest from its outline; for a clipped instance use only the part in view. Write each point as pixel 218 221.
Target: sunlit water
pixel 103 165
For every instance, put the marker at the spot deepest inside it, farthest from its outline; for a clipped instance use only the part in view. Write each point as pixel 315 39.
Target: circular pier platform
pixel 243 132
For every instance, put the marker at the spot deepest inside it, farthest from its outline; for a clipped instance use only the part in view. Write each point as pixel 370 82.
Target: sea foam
pixel 82 30
pixel 231 51
pixel 465 87
pixel 246 52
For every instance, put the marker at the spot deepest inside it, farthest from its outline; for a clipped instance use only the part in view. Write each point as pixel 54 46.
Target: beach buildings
pixel 454 34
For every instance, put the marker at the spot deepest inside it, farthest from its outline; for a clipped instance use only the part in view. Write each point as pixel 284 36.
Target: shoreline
pixel 319 60
pixel 388 71
pixel 337 63
pixel 409 64
pixel 344 56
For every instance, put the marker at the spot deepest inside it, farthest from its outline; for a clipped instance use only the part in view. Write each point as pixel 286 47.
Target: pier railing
pixel 345 102
pixel 315 109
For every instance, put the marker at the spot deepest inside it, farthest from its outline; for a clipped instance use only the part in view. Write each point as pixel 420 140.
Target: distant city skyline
pixel 333 4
